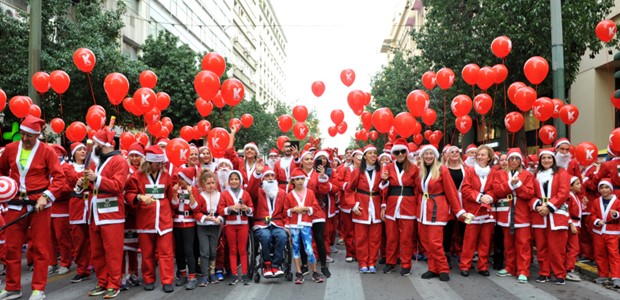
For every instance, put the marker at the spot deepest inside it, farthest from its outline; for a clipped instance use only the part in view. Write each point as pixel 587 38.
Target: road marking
pixel 353 289
pixel 520 290
pixel 431 288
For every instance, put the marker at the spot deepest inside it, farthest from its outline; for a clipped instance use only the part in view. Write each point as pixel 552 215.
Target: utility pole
pixel 34 48
pixel 557 59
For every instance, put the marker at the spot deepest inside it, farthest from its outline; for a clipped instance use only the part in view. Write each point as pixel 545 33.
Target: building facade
pixel 406 20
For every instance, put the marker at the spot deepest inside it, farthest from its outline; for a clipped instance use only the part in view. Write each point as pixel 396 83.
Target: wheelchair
pixel 255 266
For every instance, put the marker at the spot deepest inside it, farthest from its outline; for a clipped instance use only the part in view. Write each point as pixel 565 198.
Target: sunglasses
pixel 399 152
pixel 514 158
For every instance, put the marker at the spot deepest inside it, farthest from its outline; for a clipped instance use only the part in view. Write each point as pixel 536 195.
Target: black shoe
pixel 180 281
pixel 245 279
pixel 464 273
pixel 405 271
pixel 382 260
pixel 560 281
pixel 326 272
pixel 429 275
pixel 317 277
pixel 79 278
pixel 304 270
pixel 444 277
pixel 233 280
pixel 497 267
pixel 149 286
pixel 484 272
pixel 168 288
pixel 388 268
pixel 543 279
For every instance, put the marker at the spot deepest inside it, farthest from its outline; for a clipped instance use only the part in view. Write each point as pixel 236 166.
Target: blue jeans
pixel 306 242
pixel 265 237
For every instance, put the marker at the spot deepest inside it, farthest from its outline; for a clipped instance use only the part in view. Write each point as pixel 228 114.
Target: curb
pixel 586 269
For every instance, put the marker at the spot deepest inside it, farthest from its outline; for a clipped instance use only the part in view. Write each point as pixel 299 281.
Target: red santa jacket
pixel 348 197
pixel 513 197
pixel 182 211
pixel 472 190
pixel 60 207
pixel 106 203
pixel 282 169
pixel 398 192
pixel 266 213
pixel 228 199
pixel 574 209
pixel 78 205
pixel 367 196
pixel 296 220
pixel 329 187
pixel 247 172
pixel 34 178
pixel 592 195
pixel 555 196
pixel 599 213
pixel 609 169
pixel 157 216
pixel 437 197
pixel 207 206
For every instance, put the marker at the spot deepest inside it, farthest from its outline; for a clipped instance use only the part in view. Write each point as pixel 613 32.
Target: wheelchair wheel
pixel 289 276
pixel 288 260
pixel 251 254
pixel 256 277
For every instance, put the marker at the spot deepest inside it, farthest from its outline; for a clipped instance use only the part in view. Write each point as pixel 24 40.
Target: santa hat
pixel 274 151
pixel 193 146
pixel 532 158
pixel 298 173
pixel 471 147
pixel 188 174
pixel 357 152
pixel 224 161
pixel 155 154
pixel 611 152
pixel 105 137
pixel 446 148
pixel 251 145
pixel 60 150
pixel 429 147
pixel 163 141
pixel 515 152
pixel 325 153
pixel 605 181
pixel 75 146
pixel 560 142
pixel 400 144
pixel 573 179
pixel 311 149
pixel 266 171
pixel 238 174
pixel 32 124
pixel 385 155
pixel 387 147
pixel 304 153
pixel 370 147
pixel 543 151
pixel 497 154
pixel 136 148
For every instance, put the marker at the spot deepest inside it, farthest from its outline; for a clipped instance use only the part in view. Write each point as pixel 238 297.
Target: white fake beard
pixel 562 160
pixel 271 188
pixel 470 161
pixel 222 177
pixel 271 162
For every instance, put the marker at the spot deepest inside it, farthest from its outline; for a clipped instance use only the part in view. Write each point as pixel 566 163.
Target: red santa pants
pixel 2 241
pixel 477 237
pixel 607 255
pixel 348 228
pixel 432 240
pixel 237 238
pixel 399 239
pixel 572 250
pixel 330 231
pixel 160 247
pixel 15 237
pixel 585 238
pixel 106 253
pixel 81 247
pixel 551 251
pixel 518 250
pixel 62 240
pixel 220 252
pixel 367 243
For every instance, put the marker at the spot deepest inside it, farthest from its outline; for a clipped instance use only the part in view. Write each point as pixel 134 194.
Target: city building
pixel 406 20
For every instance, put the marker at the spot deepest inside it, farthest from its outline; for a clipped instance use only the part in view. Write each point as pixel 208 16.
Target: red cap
pixel 400 144
pixel 370 147
pixel 560 142
pixel 136 148
pixel 516 152
pixel 60 150
pixel 267 170
pixel 471 147
pixel 274 151
pixel 549 151
pixel 251 145
pixel 162 141
pixel 32 124
pixel 387 147
pixel 429 147
pixel 188 174
pixel 155 154
pixel 105 137
pixel 75 146
pixel 298 173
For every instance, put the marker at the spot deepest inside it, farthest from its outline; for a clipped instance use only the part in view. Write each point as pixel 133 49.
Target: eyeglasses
pixel 28 135
pixel 514 158
pixel 398 152
pixel 157 163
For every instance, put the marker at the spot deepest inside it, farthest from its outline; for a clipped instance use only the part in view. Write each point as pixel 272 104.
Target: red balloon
pixel 470 73
pixel 177 151
pixel 232 91
pixel 461 105
pixel 152 116
pixel 557 105
pixel 285 122
pixel 57 125
pixel 501 73
pixel 203 127
pixel 204 107
pixel 163 101
pixel 207 84
pixel 367 98
pixel 142 138
pixel 281 140
pixel 97 108
pixel 126 139
pixel 514 121
pixel 418 139
pixel 332 130
pixel 402 124
pixel 95 119
pixel 427 134
pixel 347 76
pixel 300 113
pixel 187 133
pixel 2 100
pixel 363 135
pixel 605 30
pixel 116 87
pixel 155 128
pixel 318 88
pixel 483 103
pixel 218 139
pixel 417 102
pixel 536 69
pixel 337 116
pixel 524 98
pixel 417 127
pixel 197 135
pixel 366 120
pixel 586 153
pixel 76 131
pixel 373 135
pixel 382 119
pixel 445 78
pixel 547 134
pixel 300 130
pixel 234 123
pixel 463 124
pixel 614 140
pixel 91 133
pixel 543 109
pixel 218 100
pixel 615 101
pixel 84 59
pixel 392 134
pixel 215 63
pixel 512 90
pixel 569 114
pixel 130 106
pixel 486 78
pixel 41 82
pixel 247 120
pixel 144 99
pixel 428 80
pixel 429 116
pixel 342 127
pixel 148 79
pixel 59 80
pixel 501 46
pixel 356 99
pixel 34 111
pixel 19 106
pixel 435 138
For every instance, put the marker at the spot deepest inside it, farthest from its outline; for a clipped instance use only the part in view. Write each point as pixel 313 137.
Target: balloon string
pixel 513 139
pixel 444 118
pixel 92 92
pixel 222 115
pixel 505 106
pixel 537 133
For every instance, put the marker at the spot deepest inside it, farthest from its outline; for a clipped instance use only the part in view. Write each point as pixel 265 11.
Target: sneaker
pixel 464 273
pixel 421 257
pixel 79 278
pixel 219 274
pixel 4 294
pixel 382 261
pixel 191 284
pixel 329 259
pixel 348 259
pixel 372 270
pixel 600 280
pixel 560 281
pixel 522 279
pixel 149 286
pixel 245 279
pixel 268 272
pixel 124 285
pixel 444 277
pixel 304 270
pixel 405 271
pixel 543 279
pixel 168 288
pixel 340 242
pixel 111 293
pixel 277 272
pixel 388 268
pixel 213 278
pixel 234 279
pixel 37 295
pixel 52 269
pixel 572 276
pixel 325 271
pixel 616 282
pixel 180 281
pixel 429 275
pixel 363 270
pixel 97 291
pixel 333 249
pixel 203 281
pixel 133 280
pixel 63 270
pixel 503 273
pixel 484 273
pixel 317 277
pixel 299 278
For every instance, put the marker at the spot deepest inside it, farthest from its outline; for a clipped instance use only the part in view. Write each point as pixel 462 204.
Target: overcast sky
pixel 325 37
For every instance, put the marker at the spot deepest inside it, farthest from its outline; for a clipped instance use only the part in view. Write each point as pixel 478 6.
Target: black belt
pixel 76 195
pixel 371 193
pixel 616 187
pixel 267 219
pixel 575 218
pixel 432 197
pixel 21 197
pixel 400 191
pixel 282 182
pixel 185 213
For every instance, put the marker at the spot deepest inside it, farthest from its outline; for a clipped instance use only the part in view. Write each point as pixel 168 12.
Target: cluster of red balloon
pixel 365 133
pixel 340 126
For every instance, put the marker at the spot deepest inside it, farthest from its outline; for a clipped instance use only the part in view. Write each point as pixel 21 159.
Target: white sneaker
pixel 333 249
pixel 37 295
pixel 52 269
pixel 573 276
pixel 349 259
pixel 329 259
pixel 8 295
pixel 63 270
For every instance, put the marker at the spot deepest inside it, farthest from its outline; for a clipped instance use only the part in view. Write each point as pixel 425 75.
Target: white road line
pixel 240 291
pixel 520 290
pixel 353 289
pixel 431 288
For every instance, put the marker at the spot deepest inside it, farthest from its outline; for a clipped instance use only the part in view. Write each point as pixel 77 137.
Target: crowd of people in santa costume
pixel 191 223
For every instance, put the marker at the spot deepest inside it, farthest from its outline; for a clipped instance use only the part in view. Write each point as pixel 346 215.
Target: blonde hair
pixel 204 175
pixel 460 158
pixel 435 167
